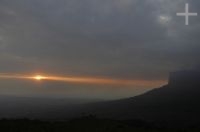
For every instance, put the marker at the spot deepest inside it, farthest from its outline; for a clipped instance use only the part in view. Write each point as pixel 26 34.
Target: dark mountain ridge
pixel 176 103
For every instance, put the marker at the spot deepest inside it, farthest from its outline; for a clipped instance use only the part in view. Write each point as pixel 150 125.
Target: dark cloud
pixel 135 39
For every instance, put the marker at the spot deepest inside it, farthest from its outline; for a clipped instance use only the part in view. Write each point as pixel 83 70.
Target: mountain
pixel 177 103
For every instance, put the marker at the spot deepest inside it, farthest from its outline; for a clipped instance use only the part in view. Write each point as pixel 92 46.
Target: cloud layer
pixel 128 39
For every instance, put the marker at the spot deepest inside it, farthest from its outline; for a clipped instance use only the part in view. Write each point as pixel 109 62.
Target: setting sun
pixel 39 77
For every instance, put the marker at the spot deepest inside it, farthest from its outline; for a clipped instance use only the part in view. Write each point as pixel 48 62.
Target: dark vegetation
pixel 85 124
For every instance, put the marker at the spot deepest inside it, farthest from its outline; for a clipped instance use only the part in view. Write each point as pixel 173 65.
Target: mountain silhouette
pixel 177 103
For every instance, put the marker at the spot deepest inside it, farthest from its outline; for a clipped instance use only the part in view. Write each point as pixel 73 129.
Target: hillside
pixel 177 103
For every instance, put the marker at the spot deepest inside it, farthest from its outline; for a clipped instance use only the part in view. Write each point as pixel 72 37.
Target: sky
pixel 122 40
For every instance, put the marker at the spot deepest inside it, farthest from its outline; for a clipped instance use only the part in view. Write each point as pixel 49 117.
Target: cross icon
pixel 186 14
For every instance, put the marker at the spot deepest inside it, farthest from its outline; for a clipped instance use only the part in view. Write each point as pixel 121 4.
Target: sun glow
pixel 85 80
pixel 39 77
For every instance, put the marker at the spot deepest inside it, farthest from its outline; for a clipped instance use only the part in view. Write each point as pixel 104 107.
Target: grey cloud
pixel 114 38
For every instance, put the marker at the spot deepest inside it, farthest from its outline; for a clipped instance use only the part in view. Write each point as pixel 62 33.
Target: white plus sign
pixel 187 14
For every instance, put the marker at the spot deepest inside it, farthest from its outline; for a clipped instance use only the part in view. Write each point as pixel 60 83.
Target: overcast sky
pixel 120 39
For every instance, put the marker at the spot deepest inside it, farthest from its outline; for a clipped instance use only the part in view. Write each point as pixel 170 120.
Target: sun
pixel 39 77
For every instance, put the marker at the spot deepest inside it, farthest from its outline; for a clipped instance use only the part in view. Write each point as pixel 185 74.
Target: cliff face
pixel 185 79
